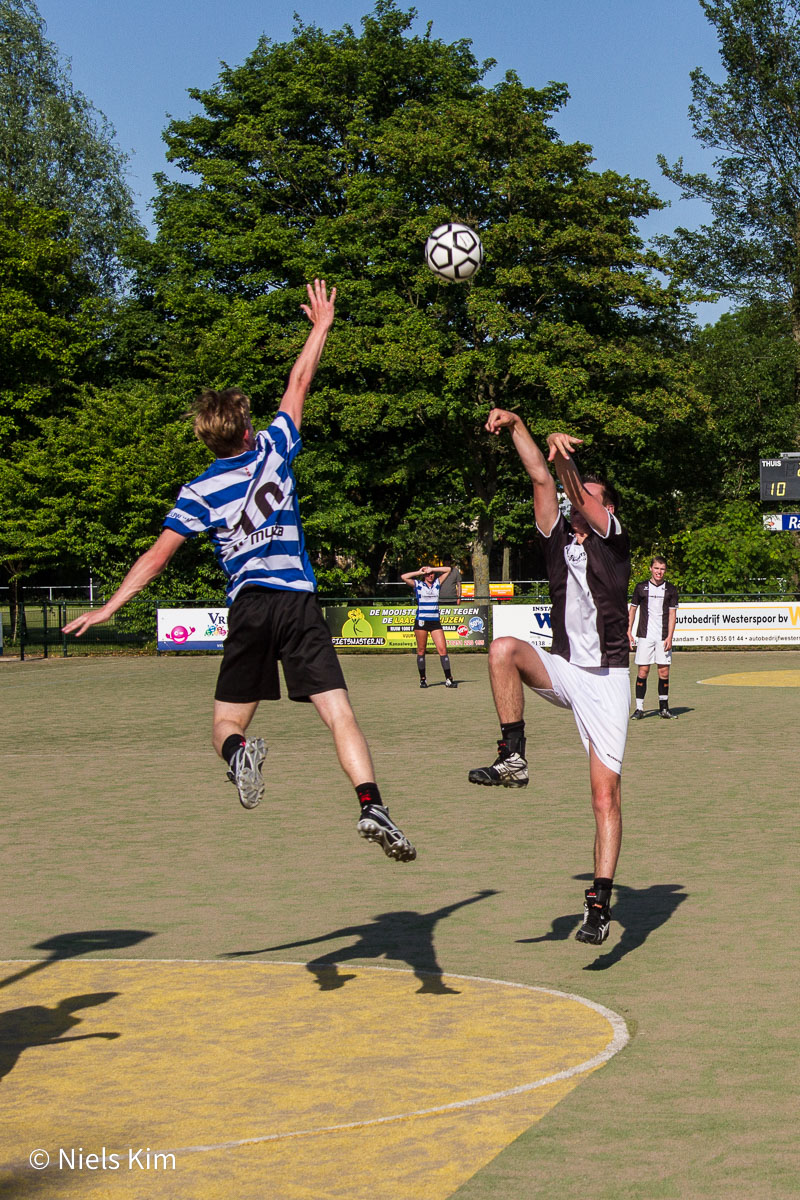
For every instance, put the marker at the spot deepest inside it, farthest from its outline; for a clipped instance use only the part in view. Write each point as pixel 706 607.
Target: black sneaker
pixel 423 683
pixel 509 769
pixel 637 714
pixel 450 683
pixel 667 715
pixel 596 917
pixel 376 825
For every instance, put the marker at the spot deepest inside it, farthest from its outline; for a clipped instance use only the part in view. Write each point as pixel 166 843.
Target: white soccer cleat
pixel 245 771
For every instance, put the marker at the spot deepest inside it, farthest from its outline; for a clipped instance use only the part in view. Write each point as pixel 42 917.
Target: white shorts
pixel 600 700
pixel 651 650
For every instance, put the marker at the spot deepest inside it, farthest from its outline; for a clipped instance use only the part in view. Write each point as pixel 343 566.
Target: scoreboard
pixel 780 477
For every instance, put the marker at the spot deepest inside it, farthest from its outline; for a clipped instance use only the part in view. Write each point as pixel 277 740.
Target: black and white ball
pixel 454 251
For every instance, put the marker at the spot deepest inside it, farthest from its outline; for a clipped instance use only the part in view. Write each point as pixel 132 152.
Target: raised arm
pixel 410 576
pixel 144 571
pixel 545 497
pixel 320 311
pixel 591 507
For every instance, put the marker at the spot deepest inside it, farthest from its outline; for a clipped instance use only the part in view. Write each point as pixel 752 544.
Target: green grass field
pixel 117 816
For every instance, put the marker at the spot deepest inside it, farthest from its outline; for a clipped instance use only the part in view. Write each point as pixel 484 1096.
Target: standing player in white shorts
pixel 588 568
pixel 246 501
pixel 656 601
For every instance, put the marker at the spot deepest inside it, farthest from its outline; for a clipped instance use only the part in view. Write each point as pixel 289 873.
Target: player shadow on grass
pixel 36 1025
pixel 405 935
pixel 640 911
pixel 676 712
pixel 73 945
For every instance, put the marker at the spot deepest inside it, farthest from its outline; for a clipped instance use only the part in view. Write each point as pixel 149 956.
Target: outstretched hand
pixel 319 309
pixel 563 444
pixel 79 625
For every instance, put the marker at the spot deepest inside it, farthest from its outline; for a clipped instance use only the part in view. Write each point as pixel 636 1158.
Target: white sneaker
pixel 245 771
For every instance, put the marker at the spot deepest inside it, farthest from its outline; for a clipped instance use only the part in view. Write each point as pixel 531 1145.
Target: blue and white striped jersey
pixel 427 599
pixel 248 506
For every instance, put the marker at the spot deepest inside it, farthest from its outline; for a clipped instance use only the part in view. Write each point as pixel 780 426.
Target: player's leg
pixel 512 664
pixel 351 746
pixel 243 755
pixel 643 665
pixel 607 807
pixel 355 759
pixel 421 635
pixel 663 691
pixel 248 673
pixel 440 642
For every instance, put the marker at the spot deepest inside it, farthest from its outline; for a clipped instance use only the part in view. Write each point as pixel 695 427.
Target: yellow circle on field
pixel 757 679
pixel 244 1069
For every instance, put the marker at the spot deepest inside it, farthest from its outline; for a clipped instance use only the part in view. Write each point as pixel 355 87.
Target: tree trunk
pixel 481 552
pixel 506 575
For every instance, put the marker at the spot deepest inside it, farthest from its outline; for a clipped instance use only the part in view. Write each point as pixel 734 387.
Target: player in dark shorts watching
pixel 247 502
pixel 588 568
pixel 426 583
pixel 656 601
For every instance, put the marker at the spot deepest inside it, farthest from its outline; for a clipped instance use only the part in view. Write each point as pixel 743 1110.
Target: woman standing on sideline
pixel 426 582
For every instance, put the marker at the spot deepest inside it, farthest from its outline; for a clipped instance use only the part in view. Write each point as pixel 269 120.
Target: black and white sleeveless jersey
pixel 654 600
pixel 589 591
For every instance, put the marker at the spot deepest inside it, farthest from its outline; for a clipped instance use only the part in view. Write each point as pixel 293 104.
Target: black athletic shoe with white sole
pixel 667 715
pixel 376 825
pixel 245 771
pixel 509 769
pixel 450 683
pixel 423 683
pixel 596 917
pixel 637 714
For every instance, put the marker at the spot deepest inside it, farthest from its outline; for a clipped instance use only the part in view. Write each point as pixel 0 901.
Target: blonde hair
pixel 221 420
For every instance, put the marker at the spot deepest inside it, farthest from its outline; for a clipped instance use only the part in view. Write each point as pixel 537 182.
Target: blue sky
pixel 626 63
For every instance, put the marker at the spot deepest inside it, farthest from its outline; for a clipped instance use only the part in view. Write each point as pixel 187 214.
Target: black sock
pixel 421 665
pixel 663 693
pixel 641 688
pixel 514 736
pixel 368 793
pixel 445 661
pixel 602 884
pixel 231 745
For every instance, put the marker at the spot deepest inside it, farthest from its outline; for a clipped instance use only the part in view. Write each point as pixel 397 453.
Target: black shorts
pixel 265 625
pixel 428 626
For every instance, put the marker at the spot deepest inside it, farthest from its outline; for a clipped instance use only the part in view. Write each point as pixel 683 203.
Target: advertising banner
pixel 698 624
pixel 371 628
pixel 779 521
pixel 191 628
pixel 500 591
pixel 746 624
pixel 528 622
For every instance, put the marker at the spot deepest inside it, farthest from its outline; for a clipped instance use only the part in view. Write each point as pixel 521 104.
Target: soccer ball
pixel 454 251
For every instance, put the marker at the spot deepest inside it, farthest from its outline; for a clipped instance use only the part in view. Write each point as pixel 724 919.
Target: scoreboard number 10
pixel 780 477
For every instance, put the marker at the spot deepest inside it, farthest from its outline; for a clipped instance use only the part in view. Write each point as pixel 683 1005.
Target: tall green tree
pixel 751 120
pixel 56 149
pixel 335 154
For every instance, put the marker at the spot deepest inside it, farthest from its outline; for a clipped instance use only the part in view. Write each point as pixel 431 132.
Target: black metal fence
pixel 35 628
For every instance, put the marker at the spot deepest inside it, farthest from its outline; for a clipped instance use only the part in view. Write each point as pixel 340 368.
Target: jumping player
pixel 426 582
pixel 588 568
pixel 656 600
pixel 247 502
